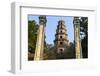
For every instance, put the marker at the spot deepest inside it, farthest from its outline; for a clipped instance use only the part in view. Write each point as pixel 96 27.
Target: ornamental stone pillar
pixel 40 39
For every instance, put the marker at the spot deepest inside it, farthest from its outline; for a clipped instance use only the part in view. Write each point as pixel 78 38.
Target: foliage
pixel 51 51
pixel 68 54
pixel 84 36
pixel 45 56
pixel 32 36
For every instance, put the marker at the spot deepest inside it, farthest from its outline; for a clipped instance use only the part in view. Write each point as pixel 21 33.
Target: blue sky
pixel 51 26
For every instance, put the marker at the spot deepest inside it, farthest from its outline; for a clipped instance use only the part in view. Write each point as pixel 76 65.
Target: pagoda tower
pixel 61 38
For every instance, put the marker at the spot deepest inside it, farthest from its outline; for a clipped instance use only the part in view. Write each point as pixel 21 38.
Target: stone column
pixel 40 39
pixel 78 50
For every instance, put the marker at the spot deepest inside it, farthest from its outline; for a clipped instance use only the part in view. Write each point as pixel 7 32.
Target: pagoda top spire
pixel 61 22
